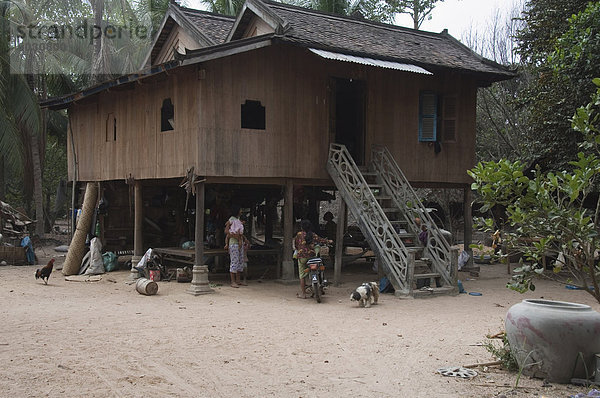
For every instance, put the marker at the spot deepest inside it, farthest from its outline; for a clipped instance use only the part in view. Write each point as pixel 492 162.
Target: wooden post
pixel 287 265
pixel 199 232
pixel 269 219
pixel 454 266
pixel 468 224
pixel 200 283
pixel 339 243
pixel 138 244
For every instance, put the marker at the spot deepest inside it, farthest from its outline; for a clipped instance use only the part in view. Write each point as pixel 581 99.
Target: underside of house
pixel 279 110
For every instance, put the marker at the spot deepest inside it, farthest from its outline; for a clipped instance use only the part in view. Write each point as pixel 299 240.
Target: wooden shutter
pixel 427 116
pixel 450 107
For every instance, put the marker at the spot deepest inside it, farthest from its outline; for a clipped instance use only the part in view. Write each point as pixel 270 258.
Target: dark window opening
pixel 347 115
pixel 111 128
pixel 253 115
pixel 167 115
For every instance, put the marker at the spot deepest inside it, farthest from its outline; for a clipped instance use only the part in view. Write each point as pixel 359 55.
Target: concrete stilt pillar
pixel 199 281
pixel 200 271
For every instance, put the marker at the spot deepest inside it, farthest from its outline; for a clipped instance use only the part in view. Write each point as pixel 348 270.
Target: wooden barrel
pixel 146 286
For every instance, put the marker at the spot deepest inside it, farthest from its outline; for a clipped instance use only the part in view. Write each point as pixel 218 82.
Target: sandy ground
pixel 103 339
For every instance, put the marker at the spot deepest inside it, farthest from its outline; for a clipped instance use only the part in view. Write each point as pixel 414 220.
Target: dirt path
pixel 103 339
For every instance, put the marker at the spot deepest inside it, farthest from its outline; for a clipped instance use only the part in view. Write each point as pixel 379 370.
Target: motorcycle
pixel 316 278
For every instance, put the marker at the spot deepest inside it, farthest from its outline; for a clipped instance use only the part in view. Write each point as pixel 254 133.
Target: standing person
pixel 234 232
pixel 304 242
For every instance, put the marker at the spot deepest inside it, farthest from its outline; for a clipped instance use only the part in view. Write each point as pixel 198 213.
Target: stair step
pixel 383 197
pixel 427 276
pixel 369 173
pixel 426 261
pixel 435 291
pixel 375 186
pixel 390 209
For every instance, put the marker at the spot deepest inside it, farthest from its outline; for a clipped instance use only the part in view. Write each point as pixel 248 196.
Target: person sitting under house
pixel 423 235
pixel 330 233
pixel 305 242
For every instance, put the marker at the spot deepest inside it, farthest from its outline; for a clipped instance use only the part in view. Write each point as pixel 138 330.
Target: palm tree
pixel 74 65
pixel 225 7
pixel 20 118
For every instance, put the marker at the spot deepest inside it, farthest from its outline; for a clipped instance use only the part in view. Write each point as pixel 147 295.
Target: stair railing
pixel 372 220
pixel 406 199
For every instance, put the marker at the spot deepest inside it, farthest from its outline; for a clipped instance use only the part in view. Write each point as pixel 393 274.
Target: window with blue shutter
pixel 428 104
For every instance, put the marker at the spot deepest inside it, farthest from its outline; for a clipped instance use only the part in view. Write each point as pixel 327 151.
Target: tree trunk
pixel 97 62
pixel 37 186
pixel 416 13
pixel 2 179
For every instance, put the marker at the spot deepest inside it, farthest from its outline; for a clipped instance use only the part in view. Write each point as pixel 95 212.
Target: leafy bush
pixel 549 212
pixel 502 353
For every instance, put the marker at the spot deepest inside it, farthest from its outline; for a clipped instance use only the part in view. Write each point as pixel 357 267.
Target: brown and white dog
pixel 366 294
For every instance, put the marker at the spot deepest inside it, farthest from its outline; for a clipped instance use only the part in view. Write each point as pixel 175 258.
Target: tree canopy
pixel 418 10
pixel 553 212
pixel 560 48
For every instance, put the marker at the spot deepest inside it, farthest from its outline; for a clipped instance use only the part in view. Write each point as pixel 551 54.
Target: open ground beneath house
pixel 100 339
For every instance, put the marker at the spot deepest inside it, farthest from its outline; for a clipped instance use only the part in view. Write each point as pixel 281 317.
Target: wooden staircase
pixel 386 208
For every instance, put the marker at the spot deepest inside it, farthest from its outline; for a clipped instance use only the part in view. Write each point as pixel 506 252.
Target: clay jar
pixel 546 337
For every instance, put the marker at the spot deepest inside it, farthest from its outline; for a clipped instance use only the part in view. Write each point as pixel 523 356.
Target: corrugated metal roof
pixel 370 61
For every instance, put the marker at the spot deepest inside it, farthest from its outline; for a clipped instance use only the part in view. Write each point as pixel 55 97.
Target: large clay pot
pixel 554 340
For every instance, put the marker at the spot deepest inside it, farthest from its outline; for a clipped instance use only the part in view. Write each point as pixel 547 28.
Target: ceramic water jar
pixel 554 340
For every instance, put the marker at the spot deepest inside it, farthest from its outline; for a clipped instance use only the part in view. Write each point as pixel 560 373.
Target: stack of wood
pixel 14 225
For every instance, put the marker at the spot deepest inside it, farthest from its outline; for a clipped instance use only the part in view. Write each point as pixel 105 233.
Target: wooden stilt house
pixel 279 98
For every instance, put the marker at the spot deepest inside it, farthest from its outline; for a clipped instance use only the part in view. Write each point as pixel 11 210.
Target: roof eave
pixel 503 73
pixel 65 101
pixel 227 49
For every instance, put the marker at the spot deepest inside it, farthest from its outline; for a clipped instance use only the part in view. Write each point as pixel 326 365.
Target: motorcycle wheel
pixel 317 292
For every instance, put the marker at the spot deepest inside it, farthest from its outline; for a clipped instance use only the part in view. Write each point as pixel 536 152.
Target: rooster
pixel 45 272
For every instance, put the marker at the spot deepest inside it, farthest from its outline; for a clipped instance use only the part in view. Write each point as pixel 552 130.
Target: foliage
pixel 545 21
pixel 374 10
pixel 225 7
pixel 502 353
pixel 68 68
pixel 559 45
pixel 549 212
pixel 418 10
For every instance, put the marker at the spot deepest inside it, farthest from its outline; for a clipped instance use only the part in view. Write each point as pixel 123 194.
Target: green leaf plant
pixel 556 213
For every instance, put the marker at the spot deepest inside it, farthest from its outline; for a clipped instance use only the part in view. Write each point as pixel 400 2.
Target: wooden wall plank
pixel 292 84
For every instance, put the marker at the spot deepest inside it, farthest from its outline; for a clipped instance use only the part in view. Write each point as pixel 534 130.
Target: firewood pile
pixel 13 224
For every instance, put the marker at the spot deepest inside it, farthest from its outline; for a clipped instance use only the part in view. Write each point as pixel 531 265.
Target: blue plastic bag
pixel 110 261
pixel 385 286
